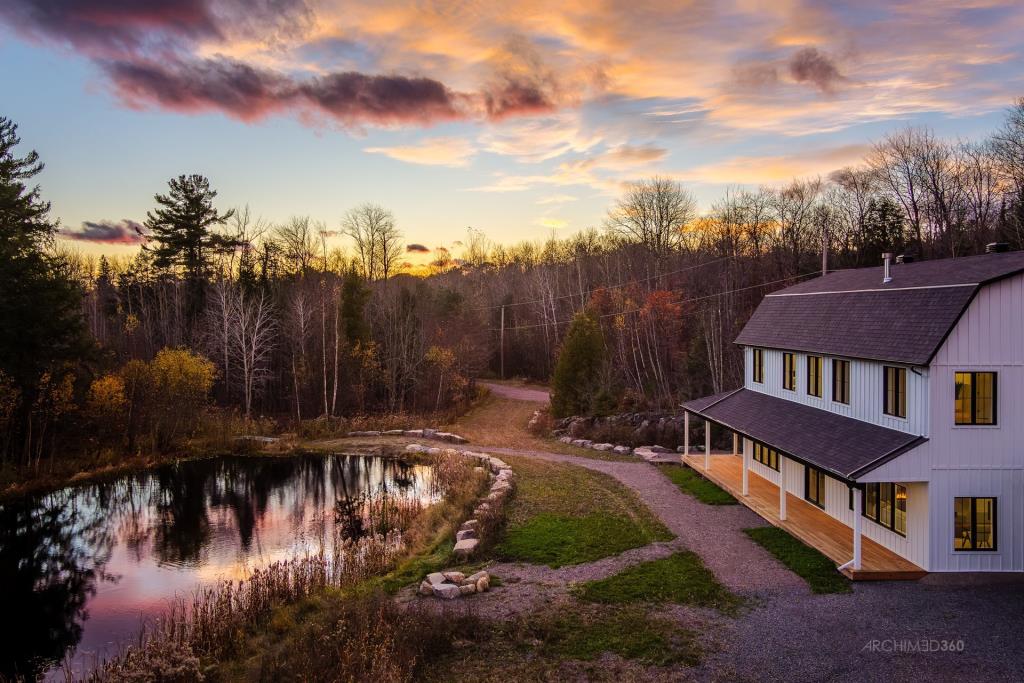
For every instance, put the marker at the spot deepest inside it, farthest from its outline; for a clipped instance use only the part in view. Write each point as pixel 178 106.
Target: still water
pixel 81 568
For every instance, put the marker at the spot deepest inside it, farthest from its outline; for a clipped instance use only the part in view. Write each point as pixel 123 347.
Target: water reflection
pixel 82 567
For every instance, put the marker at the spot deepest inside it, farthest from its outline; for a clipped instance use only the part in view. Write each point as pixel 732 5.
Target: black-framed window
pixel 840 380
pixel 789 371
pixel 758 369
pixel 886 504
pixel 974 524
pixel 814 366
pixel 814 486
pixel 974 398
pixel 766 456
pixel 894 391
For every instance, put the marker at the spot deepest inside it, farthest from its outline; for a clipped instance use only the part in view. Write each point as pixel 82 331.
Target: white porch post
pixel 858 506
pixel 686 432
pixel 782 488
pixel 746 476
pixel 707 444
pixel 735 443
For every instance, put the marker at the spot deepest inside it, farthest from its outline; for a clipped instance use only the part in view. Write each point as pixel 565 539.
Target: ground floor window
pixel 814 486
pixel 766 456
pixel 886 504
pixel 974 524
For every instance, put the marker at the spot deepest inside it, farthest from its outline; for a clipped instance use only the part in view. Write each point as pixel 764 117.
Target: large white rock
pixel 454 577
pixel 623 450
pixel 415 448
pixel 477 576
pixel 463 535
pixel 394 432
pixel 465 547
pixel 448 591
pixel 467 589
pixel 426 588
pixel 565 439
pixel 364 433
pixel 483 584
pixel 436 578
pixel 603 446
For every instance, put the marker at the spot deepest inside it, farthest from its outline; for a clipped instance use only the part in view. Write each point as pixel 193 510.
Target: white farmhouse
pixel 889 402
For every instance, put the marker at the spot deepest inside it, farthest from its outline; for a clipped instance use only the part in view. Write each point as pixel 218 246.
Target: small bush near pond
pixel 681 578
pixel 697 486
pixel 816 569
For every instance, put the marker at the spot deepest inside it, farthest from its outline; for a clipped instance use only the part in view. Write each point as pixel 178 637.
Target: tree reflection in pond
pixel 81 567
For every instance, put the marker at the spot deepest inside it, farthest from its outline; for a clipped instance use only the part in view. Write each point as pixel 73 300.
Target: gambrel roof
pixel 853 313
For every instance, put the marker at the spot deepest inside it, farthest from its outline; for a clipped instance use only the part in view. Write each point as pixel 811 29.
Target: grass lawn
pixel 681 578
pixel 697 486
pixel 564 514
pixel 816 569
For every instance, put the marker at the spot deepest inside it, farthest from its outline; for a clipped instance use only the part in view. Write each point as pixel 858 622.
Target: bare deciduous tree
pixel 652 213
pixel 378 242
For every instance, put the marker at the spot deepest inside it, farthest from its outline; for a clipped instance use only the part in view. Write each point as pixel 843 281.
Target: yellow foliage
pixel 179 374
pixel 107 395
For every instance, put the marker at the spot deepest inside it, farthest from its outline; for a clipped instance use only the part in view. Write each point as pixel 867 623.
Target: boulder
pixel 681 449
pixel 454 577
pixel 435 578
pixel 429 433
pixel 415 448
pixel 463 535
pixel 483 584
pixel 364 433
pixel 660 449
pixel 426 588
pixel 603 446
pixel 394 432
pixel 433 451
pixel 467 589
pixel 448 591
pixel 477 576
pixel 565 439
pixel 623 450
pixel 465 547
pixel 470 524
pixel 413 432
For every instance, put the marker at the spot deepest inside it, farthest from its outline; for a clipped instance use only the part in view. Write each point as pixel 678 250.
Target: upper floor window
pixel 974 522
pixel 894 392
pixel 814 366
pixel 766 456
pixel 789 371
pixel 814 486
pixel 758 366
pixel 840 380
pixel 974 398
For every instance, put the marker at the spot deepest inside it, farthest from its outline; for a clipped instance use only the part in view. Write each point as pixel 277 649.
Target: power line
pixel 681 301
pixel 615 286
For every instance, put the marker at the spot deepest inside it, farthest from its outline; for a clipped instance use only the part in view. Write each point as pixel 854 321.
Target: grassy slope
pixel 564 514
pixel 816 569
pixel 681 578
pixel 697 486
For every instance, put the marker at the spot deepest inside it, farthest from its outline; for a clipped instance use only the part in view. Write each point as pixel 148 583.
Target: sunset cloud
pixel 431 152
pixel 127 232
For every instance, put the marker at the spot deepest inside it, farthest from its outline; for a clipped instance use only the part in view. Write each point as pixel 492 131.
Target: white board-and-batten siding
pixel 866 389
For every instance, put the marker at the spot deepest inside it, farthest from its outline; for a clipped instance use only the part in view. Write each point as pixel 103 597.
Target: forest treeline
pixel 278 321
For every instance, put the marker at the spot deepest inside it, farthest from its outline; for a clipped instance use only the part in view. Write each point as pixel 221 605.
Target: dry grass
pixel 501 423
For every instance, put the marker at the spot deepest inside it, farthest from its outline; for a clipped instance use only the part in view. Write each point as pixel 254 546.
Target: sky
pixel 518 119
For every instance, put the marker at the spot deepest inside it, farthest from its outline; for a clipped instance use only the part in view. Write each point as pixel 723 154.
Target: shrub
pixel 576 384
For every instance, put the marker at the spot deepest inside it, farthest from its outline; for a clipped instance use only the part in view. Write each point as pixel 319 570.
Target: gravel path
pixel 518 393
pixel 943 627
pixel 715 532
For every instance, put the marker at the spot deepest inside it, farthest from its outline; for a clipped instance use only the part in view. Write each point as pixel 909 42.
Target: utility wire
pixel 681 301
pixel 615 286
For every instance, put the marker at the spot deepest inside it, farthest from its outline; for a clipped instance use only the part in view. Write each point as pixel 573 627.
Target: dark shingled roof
pixel 841 445
pixel 852 313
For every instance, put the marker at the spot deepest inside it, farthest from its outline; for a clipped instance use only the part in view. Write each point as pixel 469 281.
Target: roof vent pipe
pixel 887 260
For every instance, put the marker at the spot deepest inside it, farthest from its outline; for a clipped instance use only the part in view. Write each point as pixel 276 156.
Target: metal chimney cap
pixel 997 247
pixel 886 256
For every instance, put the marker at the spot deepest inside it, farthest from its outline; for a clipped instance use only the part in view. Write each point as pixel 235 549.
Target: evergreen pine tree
pixel 41 327
pixel 577 379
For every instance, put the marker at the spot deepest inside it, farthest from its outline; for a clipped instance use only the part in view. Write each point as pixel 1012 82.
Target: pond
pixel 82 568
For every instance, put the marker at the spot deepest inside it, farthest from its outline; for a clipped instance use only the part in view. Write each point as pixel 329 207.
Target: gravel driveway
pixel 941 628
pixel 514 393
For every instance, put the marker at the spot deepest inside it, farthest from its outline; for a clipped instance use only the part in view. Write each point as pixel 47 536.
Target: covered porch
pixel 835 443
pixel 803 520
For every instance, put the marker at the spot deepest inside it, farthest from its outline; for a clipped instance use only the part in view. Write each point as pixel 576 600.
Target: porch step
pixel 878 575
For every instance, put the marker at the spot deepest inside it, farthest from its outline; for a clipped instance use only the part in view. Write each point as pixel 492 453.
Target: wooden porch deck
pixel 805 521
